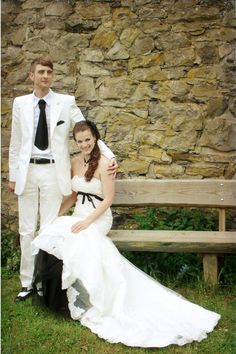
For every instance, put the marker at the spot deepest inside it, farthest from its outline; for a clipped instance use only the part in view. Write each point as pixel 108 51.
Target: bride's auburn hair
pixel 95 154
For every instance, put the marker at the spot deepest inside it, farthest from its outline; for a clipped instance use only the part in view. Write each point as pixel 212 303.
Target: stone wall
pixel 157 76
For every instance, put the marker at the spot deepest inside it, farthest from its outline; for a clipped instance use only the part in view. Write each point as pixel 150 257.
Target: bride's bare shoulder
pixel 103 162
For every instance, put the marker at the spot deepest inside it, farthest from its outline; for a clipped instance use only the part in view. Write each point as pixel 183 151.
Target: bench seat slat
pixel 175 241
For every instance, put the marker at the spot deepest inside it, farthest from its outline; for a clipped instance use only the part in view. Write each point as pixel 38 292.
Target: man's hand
pixel 11 186
pixel 112 167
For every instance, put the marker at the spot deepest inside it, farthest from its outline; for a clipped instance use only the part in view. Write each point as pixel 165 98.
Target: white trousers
pixel 41 198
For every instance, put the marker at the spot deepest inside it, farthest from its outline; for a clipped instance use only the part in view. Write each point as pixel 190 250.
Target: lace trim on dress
pixel 78 299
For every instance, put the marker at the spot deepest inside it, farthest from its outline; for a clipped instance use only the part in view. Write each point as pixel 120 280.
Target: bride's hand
pixel 79 226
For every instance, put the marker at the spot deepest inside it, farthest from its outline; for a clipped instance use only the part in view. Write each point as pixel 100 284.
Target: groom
pixel 39 161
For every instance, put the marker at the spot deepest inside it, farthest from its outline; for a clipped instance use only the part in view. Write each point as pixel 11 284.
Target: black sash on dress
pixel 89 197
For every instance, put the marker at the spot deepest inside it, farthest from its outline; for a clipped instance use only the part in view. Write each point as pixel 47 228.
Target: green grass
pixel 29 329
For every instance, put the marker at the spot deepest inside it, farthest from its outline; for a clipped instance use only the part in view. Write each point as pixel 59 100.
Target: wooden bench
pixel 207 193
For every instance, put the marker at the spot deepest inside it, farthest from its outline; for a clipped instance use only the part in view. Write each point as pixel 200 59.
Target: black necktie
pixel 41 137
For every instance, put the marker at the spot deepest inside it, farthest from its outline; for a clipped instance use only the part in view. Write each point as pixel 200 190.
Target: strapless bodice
pixel 79 184
pixel 85 204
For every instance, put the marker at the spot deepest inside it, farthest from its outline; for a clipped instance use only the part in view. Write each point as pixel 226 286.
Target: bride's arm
pixel 108 188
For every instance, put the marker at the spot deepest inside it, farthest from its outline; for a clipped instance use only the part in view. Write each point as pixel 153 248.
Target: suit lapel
pixel 55 110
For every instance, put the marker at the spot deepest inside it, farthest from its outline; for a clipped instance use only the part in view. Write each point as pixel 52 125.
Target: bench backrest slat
pixel 152 192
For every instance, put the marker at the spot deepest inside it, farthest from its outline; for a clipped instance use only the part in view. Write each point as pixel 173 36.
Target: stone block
pixel 155 26
pixel 103 115
pixel 179 57
pixel 183 141
pixel 205 90
pixel 118 51
pixel 148 74
pixel 104 40
pixel 142 46
pixel 220 133
pixel 171 40
pixel 168 171
pixel 129 35
pixel 32 4
pixel 146 137
pixel 144 91
pixel 117 88
pixel 216 106
pixel 92 11
pixel 93 55
pixel 209 54
pixel 93 70
pixel 145 61
pixel 36 45
pixel 18 37
pixel 134 166
pixel 18 75
pixel 85 89
pixel 155 153
pixel 58 9
pixel 206 171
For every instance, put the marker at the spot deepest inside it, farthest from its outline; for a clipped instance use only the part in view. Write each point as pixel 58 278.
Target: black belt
pixel 41 161
pixel 89 197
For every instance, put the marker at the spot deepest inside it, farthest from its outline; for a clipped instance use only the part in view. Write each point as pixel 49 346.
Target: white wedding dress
pixel 111 296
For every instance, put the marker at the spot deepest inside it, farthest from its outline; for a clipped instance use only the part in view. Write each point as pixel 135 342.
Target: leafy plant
pixel 179 268
pixel 10 251
pixel 177 219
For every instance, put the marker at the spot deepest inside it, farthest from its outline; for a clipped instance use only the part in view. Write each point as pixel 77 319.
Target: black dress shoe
pixel 40 292
pixel 23 294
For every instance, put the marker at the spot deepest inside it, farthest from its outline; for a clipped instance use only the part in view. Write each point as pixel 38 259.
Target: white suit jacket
pixel 63 108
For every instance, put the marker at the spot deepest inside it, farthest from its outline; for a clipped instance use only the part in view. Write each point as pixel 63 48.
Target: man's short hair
pixel 42 61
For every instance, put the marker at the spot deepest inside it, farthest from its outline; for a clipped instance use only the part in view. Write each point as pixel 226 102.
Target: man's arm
pixel 15 143
pixel 75 113
pixel 113 166
pixel 105 150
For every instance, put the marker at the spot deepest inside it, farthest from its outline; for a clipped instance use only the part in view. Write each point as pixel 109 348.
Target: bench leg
pixel 210 268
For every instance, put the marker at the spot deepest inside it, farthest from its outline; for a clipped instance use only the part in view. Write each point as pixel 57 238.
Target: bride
pixel 81 270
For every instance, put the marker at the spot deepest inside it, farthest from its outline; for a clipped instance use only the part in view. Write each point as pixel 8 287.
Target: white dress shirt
pixel 37 153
